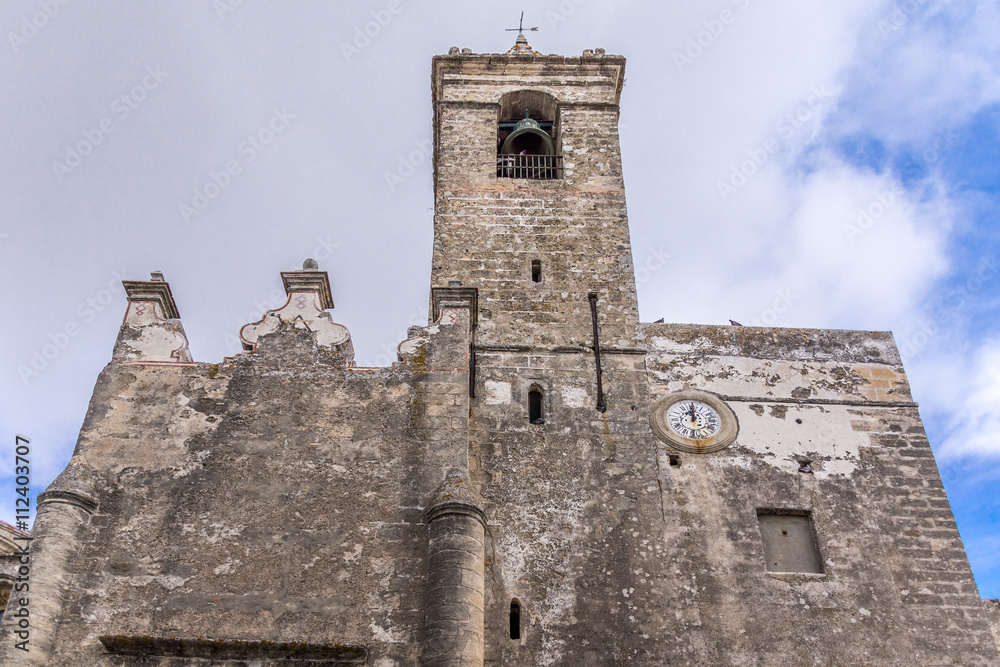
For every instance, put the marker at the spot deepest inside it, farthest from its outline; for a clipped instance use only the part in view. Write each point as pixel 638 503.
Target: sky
pixel 809 164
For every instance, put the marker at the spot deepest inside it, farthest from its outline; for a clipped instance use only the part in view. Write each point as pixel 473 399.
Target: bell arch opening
pixel 527 141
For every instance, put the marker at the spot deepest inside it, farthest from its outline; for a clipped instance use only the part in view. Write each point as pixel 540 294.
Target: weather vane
pixel 520 27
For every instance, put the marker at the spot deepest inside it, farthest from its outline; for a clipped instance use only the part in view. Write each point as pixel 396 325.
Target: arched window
pixel 535 415
pixel 515 619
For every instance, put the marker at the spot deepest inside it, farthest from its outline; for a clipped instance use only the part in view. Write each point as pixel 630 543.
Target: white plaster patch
pixel 575 397
pixel 227 567
pixel 825 437
pixel 146 335
pixel 155 344
pixel 169 582
pixel 410 346
pixel 388 636
pixel 351 555
pixel 191 466
pixel 497 393
pixel 220 532
pixel 731 462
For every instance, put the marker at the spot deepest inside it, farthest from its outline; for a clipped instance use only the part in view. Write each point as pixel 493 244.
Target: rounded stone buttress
pixel 454 632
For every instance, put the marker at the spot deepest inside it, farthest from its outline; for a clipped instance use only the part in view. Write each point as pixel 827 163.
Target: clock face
pixel 693 419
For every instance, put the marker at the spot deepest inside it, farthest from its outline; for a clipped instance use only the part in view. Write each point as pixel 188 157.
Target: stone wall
pixel 993 613
pixel 621 550
pixel 252 502
pixel 248 502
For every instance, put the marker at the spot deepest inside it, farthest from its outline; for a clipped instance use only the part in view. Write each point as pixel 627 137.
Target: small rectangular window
pixel 535 406
pixel 789 541
pixel 536 270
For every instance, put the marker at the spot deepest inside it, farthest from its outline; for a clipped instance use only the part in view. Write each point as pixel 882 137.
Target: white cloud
pixel 974 423
pixel 928 70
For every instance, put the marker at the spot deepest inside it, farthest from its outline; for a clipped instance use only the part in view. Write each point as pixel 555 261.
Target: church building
pixel 541 478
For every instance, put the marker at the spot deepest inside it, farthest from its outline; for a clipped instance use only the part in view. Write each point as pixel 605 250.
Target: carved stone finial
pixel 453 51
pixel 151 331
pixel 309 298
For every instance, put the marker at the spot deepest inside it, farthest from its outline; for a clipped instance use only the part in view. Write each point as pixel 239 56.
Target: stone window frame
pixel 810 515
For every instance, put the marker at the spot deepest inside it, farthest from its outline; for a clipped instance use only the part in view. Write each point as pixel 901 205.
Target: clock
pixel 694 421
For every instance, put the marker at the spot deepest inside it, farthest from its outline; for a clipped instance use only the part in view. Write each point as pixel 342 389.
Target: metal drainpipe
pixel 597 352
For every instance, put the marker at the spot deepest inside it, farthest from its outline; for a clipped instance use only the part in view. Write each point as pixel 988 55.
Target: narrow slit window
pixel 535 406
pixel 536 270
pixel 515 619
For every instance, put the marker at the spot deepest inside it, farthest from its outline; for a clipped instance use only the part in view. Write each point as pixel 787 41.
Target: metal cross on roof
pixel 520 27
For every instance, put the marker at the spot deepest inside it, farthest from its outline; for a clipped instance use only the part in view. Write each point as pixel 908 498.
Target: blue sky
pixel 843 109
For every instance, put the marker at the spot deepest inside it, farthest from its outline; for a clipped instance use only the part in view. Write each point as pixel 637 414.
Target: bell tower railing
pixel 534 167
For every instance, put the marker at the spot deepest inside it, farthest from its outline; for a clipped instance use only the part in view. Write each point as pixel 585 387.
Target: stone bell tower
pixel 530 213
pixel 529 197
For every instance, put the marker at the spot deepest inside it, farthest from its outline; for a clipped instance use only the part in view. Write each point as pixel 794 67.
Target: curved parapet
pixel 304 315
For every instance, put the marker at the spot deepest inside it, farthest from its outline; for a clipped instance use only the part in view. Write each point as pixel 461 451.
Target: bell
pixel 528 138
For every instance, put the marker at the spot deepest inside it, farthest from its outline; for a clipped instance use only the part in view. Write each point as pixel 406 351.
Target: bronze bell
pixel 528 138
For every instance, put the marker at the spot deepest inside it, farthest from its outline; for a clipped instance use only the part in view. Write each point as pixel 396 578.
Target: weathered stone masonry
pixel 286 507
